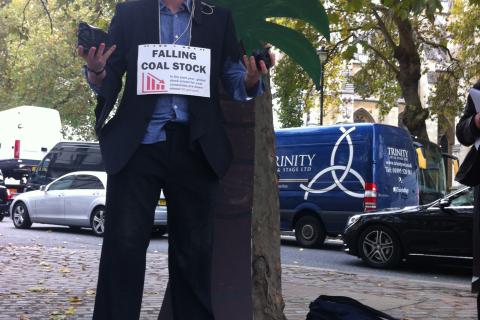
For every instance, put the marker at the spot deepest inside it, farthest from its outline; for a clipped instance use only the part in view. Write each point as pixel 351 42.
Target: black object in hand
pixel 89 36
pixel 262 55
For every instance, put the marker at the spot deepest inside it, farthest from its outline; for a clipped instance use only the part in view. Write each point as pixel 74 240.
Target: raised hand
pixel 253 74
pixel 96 60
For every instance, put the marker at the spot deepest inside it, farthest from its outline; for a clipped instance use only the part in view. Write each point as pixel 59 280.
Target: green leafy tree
pixel 39 63
pixel 297 93
pixel 394 35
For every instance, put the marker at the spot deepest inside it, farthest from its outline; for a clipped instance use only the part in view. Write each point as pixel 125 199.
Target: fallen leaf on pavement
pixel 65 270
pixel 70 311
pixel 37 289
pixel 75 299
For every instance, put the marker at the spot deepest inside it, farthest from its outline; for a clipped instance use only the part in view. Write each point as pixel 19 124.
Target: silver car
pixel 76 199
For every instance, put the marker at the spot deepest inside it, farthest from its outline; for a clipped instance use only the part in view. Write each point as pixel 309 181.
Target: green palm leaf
pixel 253 29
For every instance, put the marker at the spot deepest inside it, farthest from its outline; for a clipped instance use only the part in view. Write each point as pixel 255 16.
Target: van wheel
pixel 20 216
pixel 97 221
pixel 379 247
pixel 309 232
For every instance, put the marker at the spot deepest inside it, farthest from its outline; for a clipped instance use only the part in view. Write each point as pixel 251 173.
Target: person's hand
pixel 477 120
pixel 253 74
pixel 96 60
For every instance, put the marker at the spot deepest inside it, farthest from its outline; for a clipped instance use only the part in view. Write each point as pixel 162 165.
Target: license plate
pixel 162 202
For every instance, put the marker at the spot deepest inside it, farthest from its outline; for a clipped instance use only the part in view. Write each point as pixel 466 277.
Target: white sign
pixel 173 69
pixel 475 94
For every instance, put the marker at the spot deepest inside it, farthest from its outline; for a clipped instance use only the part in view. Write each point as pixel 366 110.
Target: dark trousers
pixel 190 187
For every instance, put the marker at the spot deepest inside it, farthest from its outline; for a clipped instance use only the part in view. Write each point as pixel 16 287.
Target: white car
pixel 76 199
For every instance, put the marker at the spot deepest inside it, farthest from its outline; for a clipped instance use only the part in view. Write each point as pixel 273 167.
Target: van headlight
pixel 353 220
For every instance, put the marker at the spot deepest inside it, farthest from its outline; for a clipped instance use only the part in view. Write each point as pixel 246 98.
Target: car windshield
pixel 458 198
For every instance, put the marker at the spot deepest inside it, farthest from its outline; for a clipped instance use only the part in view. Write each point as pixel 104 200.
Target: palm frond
pixel 253 29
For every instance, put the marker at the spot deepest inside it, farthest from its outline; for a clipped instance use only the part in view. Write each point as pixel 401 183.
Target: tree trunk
pixel 409 61
pixel 267 297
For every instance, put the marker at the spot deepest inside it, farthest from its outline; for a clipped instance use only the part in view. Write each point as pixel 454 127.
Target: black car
pixel 4 198
pixel 441 228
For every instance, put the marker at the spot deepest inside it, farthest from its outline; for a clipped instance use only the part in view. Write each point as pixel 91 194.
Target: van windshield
pixel 432 180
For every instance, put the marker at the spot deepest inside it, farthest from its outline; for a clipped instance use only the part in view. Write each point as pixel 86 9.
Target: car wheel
pixel 1 216
pixel 379 247
pixel 97 221
pixel 20 216
pixel 309 232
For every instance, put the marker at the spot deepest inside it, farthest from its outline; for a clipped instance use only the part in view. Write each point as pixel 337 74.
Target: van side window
pixel 61 163
pixel 87 182
pixel 90 161
pixel 62 184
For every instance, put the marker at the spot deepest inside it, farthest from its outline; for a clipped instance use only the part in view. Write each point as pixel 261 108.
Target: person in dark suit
pixel 468 130
pixel 172 142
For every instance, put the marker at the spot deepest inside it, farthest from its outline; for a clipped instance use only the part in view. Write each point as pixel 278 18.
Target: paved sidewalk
pixel 39 283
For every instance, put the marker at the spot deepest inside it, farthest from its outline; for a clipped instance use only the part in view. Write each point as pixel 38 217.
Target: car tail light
pixel 9 195
pixel 370 199
pixel 16 150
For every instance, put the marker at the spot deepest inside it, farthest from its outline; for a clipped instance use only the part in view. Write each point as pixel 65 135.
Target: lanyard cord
pixel 188 28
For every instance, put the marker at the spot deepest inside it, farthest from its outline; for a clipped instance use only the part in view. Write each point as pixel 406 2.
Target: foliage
pixel 391 40
pixel 296 92
pixel 465 33
pixel 253 28
pixel 39 63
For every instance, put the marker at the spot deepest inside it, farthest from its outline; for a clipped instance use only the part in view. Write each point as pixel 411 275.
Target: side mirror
pixel 43 188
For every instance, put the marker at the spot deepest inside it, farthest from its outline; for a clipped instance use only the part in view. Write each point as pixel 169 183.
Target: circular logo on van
pixel 337 182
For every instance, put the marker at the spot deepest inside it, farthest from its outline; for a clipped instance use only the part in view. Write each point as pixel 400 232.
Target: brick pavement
pixel 39 283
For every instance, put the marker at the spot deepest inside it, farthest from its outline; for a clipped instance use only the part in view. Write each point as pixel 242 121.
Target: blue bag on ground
pixel 343 308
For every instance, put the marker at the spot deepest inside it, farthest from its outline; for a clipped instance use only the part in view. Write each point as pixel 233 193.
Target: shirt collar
pixel 187 5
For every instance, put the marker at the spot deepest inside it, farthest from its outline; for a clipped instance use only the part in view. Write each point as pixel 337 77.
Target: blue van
pixel 329 173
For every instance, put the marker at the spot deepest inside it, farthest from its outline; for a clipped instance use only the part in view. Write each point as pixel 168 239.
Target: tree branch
pixel 437 45
pixel 381 56
pixel 383 28
pixel 45 8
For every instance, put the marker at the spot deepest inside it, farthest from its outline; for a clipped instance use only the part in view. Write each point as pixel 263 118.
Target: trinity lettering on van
pixel 398 162
pixel 397 152
pixel 295 163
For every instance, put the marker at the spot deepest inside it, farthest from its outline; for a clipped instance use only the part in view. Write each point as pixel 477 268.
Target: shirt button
pixel 175 107
pixel 176 36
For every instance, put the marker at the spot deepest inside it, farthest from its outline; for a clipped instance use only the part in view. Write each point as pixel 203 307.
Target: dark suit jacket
pixel 136 23
pixel 467 133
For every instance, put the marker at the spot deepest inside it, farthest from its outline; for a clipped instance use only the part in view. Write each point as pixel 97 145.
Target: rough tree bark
pixel 408 77
pixel 266 268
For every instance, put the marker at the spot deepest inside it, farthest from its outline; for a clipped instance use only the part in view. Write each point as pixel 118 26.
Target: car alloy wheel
pixel 98 221
pixel 379 247
pixel 20 216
